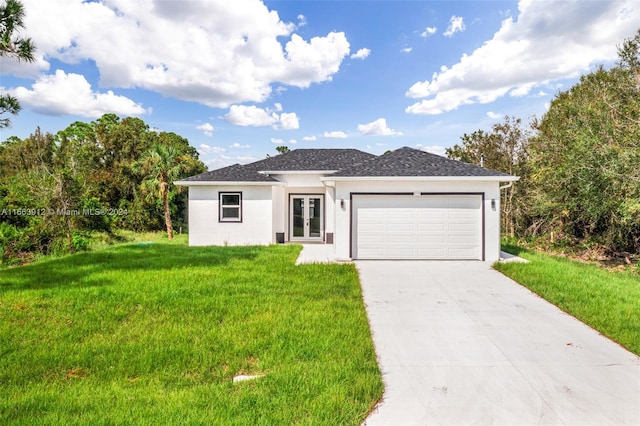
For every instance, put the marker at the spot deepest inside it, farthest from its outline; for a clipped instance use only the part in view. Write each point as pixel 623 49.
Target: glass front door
pixel 306 217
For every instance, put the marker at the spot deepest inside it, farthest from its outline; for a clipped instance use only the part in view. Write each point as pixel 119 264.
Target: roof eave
pixel 227 183
pixel 296 172
pixel 423 178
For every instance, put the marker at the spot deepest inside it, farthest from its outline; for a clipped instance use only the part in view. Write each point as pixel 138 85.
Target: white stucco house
pixel 405 204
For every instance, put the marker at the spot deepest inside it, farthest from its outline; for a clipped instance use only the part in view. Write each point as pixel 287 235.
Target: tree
pixel 586 157
pixel 161 165
pixel 13 46
pixel 282 149
pixel 503 149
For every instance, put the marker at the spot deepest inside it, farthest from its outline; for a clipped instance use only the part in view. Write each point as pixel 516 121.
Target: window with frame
pixel 230 207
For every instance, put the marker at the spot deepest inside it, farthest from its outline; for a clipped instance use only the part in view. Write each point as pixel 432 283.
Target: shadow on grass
pixel 78 270
pixel 512 249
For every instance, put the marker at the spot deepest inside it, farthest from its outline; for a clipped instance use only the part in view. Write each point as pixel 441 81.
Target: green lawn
pixel 154 333
pixel 607 301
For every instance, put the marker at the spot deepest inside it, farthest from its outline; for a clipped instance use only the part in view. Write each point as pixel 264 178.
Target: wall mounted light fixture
pixel 342 203
pixel 493 204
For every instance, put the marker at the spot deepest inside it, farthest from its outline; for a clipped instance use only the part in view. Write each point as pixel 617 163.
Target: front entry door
pixel 306 221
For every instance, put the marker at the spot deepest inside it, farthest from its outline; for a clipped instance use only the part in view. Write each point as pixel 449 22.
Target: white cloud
pixel 302 20
pixel 428 32
pixel 71 94
pixel 361 54
pixel 278 106
pixel 206 128
pixel 494 115
pixel 205 149
pixel 309 138
pixel 238 146
pixel 407 49
pixel 336 134
pixel 434 149
pixel 243 115
pixel 215 53
pixel 531 51
pixel 377 127
pixel 456 25
pixel 277 140
pixel 293 141
pixel 288 121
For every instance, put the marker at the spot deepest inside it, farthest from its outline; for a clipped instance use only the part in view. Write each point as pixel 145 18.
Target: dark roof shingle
pixel 233 173
pixel 312 159
pixel 412 162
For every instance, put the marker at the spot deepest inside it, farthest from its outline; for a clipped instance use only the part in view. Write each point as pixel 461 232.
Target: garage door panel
pixel 371 253
pixel 463 253
pixel 428 228
pixel 403 252
pixel 417 227
pixel 405 239
pixel 432 240
pixel 371 227
pixel 462 227
pixel 406 227
pixel 400 215
pixel 463 239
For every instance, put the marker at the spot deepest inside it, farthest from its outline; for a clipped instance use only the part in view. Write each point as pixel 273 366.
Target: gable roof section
pixel 408 162
pixel 234 173
pixel 312 160
pixel 327 160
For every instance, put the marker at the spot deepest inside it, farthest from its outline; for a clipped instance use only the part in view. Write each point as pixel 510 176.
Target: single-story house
pixel 405 204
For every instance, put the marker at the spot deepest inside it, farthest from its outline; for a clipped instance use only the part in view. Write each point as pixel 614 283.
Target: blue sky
pixel 238 78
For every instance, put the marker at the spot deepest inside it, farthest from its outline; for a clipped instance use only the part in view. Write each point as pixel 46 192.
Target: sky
pixel 238 78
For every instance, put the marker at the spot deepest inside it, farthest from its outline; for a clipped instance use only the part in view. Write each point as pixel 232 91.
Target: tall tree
pixel 12 45
pixel 161 165
pixel 587 153
pixel 503 149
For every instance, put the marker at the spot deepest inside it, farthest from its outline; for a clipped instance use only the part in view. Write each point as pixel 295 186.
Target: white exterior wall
pixel 257 221
pixel 342 239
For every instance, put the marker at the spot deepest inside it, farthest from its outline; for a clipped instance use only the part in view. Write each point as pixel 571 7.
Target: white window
pixel 230 207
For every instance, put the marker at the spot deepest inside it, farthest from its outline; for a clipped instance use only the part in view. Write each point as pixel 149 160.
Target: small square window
pixel 230 207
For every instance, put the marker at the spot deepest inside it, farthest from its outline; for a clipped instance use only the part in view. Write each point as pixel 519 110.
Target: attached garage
pixel 418 226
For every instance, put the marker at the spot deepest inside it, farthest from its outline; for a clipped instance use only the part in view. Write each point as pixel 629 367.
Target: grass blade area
pixel 605 300
pixel 154 333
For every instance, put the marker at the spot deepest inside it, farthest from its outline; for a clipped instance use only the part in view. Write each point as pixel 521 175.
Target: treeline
pixel 579 164
pixel 58 189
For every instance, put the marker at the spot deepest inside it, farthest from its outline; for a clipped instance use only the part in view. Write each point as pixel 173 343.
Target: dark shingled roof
pixel 412 162
pixel 234 173
pixel 348 163
pixel 312 159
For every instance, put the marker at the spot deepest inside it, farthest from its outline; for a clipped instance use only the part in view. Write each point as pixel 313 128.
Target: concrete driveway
pixel 460 344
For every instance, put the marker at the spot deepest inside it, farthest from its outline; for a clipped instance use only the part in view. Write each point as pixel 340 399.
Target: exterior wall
pixel 279 209
pixel 343 216
pixel 257 222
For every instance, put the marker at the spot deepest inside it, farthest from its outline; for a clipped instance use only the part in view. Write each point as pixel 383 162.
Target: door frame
pixel 306 212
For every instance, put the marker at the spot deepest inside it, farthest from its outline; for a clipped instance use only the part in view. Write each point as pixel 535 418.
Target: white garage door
pixel 417 227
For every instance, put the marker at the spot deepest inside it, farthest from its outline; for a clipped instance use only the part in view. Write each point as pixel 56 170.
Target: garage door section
pixel 417 227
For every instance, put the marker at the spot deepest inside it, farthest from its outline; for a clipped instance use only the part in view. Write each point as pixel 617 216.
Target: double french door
pixel 306 217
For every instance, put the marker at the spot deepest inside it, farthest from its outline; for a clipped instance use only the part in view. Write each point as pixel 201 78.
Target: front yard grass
pixel 608 301
pixel 154 334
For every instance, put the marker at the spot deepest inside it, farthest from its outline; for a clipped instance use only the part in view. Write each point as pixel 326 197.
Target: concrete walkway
pixel 460 344
pixel 316 253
